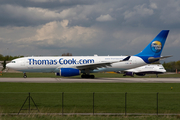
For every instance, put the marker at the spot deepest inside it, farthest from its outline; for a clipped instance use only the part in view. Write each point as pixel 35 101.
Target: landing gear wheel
pixel 87 76
pixel 157 75
pixel 92 76
pixel 25 76
pixel 82 76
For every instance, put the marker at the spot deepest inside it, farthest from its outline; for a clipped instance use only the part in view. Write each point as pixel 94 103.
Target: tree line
pixel 172 66
pixel 8 57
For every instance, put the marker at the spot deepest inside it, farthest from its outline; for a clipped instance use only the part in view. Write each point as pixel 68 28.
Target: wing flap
pixel 152 59
pixel 99 65
pixel 93 66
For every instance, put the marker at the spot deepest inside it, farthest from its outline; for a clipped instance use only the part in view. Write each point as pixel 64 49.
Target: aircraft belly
pixel 107 69
pixel 38 70
pixel 35 68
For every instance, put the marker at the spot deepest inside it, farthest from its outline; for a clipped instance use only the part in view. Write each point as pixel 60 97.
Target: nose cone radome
pixel 8 65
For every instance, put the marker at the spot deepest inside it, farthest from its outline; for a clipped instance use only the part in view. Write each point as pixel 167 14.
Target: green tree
pixel 1 57
pixel 177 64
pixel 4 65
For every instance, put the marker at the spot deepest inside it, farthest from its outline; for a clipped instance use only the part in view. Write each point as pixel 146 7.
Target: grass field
pixel 40 117
pixel 91 87
pixel 78 97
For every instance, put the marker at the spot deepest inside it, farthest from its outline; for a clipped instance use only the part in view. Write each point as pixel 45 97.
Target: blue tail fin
pixel 155 47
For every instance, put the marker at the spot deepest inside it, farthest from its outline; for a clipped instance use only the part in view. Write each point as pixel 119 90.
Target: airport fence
pixel 95 103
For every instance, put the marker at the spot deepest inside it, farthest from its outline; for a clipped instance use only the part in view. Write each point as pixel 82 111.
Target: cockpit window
pixel 13 61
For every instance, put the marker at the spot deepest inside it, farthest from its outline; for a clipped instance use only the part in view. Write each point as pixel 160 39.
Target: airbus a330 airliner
pixel 75 65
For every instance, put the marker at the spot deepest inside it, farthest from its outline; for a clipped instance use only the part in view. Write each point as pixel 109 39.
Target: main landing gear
pixel 157 75
pixel 25 76
pixel 87 76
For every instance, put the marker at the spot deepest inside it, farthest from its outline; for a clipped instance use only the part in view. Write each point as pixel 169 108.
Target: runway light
pixel 171 88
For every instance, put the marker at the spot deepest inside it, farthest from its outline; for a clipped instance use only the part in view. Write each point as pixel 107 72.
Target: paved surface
pixel 97 80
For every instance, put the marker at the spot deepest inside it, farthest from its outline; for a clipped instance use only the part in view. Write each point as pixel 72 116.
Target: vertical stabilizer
pixel 155 47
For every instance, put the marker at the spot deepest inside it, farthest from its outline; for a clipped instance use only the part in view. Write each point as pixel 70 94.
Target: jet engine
pixel 67 72
pixel 129 74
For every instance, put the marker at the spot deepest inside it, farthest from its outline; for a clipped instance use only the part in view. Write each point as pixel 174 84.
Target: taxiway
pixel 97 80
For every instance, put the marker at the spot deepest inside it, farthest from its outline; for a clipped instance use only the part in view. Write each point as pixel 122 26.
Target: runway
pixel 97 80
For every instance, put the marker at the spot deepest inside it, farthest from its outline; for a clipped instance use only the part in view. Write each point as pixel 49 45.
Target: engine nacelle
pixel 129 74
pixel 67 72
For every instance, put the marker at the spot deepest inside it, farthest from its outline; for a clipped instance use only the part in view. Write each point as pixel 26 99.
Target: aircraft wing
pixel 99 65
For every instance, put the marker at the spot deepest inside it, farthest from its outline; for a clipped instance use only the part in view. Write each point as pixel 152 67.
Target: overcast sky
pixel 87 27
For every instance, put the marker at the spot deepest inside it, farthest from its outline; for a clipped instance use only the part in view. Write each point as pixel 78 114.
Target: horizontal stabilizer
pixel 152 59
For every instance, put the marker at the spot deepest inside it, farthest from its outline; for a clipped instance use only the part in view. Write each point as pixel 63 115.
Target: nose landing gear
pixel 25 76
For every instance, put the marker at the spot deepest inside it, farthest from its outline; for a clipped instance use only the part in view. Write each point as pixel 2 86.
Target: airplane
pixel 67 66
pixel 146 69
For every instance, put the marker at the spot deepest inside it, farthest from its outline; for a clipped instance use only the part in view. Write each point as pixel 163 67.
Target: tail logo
pixel 156 46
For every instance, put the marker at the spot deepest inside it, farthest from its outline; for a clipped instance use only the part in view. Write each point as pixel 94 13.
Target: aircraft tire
pixel 25 76
pixel 87 76
pixel 92 76
pixel 82 76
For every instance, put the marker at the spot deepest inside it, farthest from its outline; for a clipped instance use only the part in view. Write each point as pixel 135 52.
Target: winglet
pixel 126 59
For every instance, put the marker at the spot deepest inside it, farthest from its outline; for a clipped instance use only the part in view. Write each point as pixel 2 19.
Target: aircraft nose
pixel 8 65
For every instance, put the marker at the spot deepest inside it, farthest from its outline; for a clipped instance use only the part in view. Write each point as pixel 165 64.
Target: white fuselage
pixel 148 69
pixel 53 63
